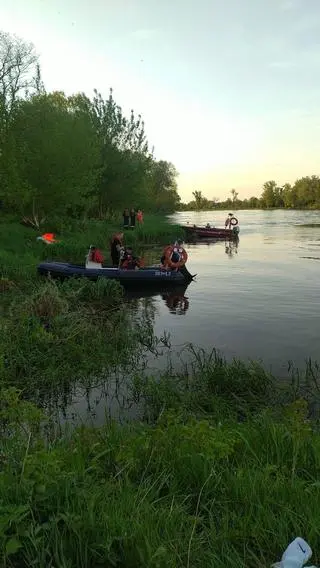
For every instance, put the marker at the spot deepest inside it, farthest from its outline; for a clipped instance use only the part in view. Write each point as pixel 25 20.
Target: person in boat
pixel 116 248
pixel 129 261
pixel 229 224
pixel 126 219
pixel 208 226
pixel 177 253
pixel 94 258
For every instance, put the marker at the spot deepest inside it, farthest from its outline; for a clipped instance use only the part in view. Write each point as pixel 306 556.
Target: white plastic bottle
pixel 296 555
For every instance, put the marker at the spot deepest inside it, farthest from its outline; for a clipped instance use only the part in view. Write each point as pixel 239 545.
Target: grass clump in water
pixel 63 333
pixel 207 384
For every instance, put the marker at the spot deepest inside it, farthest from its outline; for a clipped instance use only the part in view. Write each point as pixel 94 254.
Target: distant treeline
pixel 71 155
pixel 303 194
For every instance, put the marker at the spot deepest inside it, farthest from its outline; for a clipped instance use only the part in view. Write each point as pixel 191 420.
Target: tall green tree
pixel 307 191
pixel 124 159
pixel 19 74
pixel 162 189
pixel 56 153
pixel 200 201
pixel 234 196
pixel 268 197
pixel 287 195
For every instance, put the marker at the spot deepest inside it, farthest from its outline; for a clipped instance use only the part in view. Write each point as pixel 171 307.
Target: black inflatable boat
pixel 148 275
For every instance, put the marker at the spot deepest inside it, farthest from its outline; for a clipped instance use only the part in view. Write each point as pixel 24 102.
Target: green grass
pixel 183 491
pixel 222 471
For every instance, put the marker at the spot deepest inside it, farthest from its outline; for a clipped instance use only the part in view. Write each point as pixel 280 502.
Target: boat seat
pixel 90 264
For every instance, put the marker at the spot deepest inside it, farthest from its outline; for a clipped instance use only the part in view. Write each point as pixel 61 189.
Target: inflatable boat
pixel 147 276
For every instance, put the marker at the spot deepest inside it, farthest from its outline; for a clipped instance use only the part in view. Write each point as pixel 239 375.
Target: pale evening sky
pixel 229 90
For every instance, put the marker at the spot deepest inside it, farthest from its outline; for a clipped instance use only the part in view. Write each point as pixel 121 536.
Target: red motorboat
pixel 193 231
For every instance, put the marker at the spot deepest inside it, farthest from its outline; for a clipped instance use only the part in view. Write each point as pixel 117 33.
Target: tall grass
pixel 184 491
pixel 59 335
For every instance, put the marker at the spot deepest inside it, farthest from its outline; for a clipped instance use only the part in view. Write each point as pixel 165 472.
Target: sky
pixel 229 89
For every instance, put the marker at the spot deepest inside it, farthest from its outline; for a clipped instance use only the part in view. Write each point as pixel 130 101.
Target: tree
pixel 125 161
pixel 199 199
pixel 18 64
pixel 306 192
pixel 18 70
pixel 253 202
pixel 268 197
pixel 56 156
pixel 164 193
pixel 287 195
pixel 234 195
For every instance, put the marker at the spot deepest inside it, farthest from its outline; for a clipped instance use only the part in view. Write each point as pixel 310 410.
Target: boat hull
pixel 143 276
pixel 214 233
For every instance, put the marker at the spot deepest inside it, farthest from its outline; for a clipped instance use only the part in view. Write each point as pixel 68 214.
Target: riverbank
pixel 222 471
pixel 21 252
pixel 220 467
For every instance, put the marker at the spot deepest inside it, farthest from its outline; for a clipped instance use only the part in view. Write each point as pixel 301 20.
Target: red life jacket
pixel 97 256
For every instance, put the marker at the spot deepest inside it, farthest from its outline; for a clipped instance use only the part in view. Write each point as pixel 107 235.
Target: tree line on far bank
pixel 71 155
pixel 303 194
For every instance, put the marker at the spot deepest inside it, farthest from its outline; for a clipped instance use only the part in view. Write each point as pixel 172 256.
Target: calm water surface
pixel 259 300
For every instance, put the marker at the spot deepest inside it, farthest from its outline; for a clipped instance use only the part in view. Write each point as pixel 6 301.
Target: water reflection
pixel 144 300
pixel 231 248
pixel 176 301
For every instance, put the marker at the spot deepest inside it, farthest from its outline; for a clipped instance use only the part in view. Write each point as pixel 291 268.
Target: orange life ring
pixel 168 253
pixel 235 221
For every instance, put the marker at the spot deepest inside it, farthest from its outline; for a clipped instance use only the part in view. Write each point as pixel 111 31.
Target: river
pixel 259 300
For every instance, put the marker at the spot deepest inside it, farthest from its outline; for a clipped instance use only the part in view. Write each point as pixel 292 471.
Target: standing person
pixel 126 218
pixel 227 223
pixel 116 246
pixel 231 221
pixel 139 217
pixel 132 217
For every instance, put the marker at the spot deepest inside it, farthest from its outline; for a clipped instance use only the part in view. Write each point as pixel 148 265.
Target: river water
pixel 259 300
